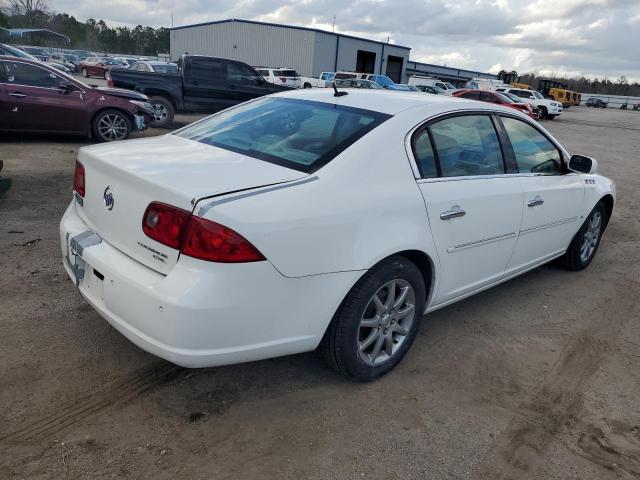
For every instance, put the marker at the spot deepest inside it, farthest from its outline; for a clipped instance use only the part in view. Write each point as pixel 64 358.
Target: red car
pixel 99 66
pixel 495 98
pixel 35 97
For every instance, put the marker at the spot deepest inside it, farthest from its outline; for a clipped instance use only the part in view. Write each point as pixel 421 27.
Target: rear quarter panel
pixel 360 208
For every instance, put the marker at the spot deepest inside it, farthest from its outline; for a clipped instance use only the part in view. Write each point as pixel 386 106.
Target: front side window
pixel 241 74
pixel 31 75
pixel 534 152
pixel 298 134
pixel 467 145
pixel 205 70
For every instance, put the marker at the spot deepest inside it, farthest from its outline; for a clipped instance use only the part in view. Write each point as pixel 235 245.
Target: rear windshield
pixel 341 76
pixel 298 134
pixel 168 68
pixel 285 73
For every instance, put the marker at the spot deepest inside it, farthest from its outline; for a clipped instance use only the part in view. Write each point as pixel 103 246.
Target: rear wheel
pixel 307 85
pixel 163 112
pixel 584 245
pixel 111 125
pixel 377 322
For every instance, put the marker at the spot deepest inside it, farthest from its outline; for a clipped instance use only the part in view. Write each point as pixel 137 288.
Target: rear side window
pixel 285 73
pixel 467 145
pixel 30 75
pixel 205 70
pixel 423 152
pixel 534 152
pixel 475 95
pixel 298 134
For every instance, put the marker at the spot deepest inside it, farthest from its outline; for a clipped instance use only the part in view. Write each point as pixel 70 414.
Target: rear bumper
pixel 202 314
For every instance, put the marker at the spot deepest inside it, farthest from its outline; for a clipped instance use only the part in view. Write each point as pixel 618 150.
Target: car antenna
pixel 338 93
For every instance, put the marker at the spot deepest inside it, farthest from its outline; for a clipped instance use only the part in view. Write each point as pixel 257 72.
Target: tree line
pixel 603 86
pixel 93 35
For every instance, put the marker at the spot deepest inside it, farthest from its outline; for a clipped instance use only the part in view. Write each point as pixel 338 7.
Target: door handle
pixel 453 213
pixel 17 94
pixel 535 202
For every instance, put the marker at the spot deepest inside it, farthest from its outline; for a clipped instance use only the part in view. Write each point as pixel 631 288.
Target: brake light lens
pixel 109 81
pixel 213 242
pixel 197 237
pixel 165 223
pixel 78 179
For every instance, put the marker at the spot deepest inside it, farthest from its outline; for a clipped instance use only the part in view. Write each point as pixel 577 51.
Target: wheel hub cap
pixel 591 236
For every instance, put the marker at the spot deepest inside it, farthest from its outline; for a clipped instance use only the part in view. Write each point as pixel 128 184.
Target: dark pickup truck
pixel 202 84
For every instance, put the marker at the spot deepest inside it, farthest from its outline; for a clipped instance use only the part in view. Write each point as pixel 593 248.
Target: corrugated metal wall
pixel 263 45
pixel 324 53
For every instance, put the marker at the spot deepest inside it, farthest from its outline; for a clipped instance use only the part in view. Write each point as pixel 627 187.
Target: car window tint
pixel 205 70
pixel 471 95
pixel 423 151
pixel 298 134
pixel 241 74
pixel 264 73
pixel 534 152
pixel 31 75
pixel 467 145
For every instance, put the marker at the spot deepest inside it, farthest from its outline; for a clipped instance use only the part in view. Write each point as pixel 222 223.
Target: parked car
pixel 351 83
pixel 383 81
pixel 82 54
pixel 280 76
pixel 412 88
pixel 99 66
pixel 596 103
pixel 155 67
pixel 60 67
pixel 128 60
pixel 69 60
pixel 431 89
pixel 547 108
pixel 323 80
pixel 256 232
pixel 421 81
pixel 497 98
pixel 202 84
pixel 37 98
pixel 517 100
pixel 37 52
pixel 12 51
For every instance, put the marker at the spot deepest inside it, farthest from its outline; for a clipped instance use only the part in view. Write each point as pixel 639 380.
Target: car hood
pixel 121 92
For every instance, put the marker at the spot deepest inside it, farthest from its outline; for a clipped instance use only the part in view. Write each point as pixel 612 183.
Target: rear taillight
pixel 165 223
pixel 197 237
pixel 78 179
pixel 109 82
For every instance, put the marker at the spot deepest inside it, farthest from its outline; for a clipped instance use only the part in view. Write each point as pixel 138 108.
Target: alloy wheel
pixel 591 236
pixel 386 322
pixel 160 113
pixel 113 127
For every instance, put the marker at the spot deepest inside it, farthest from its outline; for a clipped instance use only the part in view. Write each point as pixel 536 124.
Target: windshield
pixel 538 95
pixel 169 68
pixel 449 86
pixel 298 134
pixel 506 97
pixel 383 80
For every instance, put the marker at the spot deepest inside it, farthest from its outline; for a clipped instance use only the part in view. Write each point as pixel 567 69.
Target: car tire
pixel 84 73
pixel 111 125
pixel 585 243
pixel 551 117
pixel 543 112
pixel 306 85
pixel 164 112
pixel 363 331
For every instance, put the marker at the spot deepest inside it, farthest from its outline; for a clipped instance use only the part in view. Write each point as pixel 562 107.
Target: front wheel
pixel 585 243
pixel 542 112
pixel 377 321
pixel 110 126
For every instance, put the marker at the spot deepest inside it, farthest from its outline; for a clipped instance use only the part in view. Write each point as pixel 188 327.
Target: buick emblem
pixel 108 198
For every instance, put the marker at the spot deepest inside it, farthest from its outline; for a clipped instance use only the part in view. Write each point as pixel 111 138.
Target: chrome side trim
pixel 476 243
pixel 548 225
pixel 205 208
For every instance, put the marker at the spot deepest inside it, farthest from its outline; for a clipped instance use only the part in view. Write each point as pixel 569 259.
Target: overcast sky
pixel 573 37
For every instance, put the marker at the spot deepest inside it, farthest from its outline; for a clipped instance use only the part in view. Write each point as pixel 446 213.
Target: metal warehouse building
pixel 308 50
pixel 457 76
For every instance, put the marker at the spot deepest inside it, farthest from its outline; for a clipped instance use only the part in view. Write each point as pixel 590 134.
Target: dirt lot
pixel 536 379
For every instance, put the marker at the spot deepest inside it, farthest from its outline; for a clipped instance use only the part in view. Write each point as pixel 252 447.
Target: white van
pixel 419 80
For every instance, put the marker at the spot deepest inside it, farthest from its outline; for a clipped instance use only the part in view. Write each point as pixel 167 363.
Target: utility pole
pixel 171 19
pixel 334 23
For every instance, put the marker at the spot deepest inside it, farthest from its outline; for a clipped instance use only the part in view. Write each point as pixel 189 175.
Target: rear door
pixel 205 86
pixel 552 197
pixel 474 203
pixel 35 101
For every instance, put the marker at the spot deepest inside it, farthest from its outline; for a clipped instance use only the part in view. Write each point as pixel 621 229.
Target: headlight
pixel 143 105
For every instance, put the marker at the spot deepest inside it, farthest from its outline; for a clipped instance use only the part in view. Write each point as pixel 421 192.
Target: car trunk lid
pixel 168 169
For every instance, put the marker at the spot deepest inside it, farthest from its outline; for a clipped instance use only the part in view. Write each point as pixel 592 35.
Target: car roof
pixel 382 101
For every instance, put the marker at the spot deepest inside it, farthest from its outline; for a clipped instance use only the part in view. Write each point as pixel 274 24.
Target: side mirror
pixel 583 164
pixel 66 87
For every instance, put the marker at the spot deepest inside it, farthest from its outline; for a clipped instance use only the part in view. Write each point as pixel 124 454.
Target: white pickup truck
pixel 548 109
pixel 322 81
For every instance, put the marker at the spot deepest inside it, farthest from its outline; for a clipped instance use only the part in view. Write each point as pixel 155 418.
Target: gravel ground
pixel 536 378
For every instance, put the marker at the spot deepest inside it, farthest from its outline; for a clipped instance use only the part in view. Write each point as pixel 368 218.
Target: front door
pixel 35 101
pixel 205 85
pixel 244 83
pixel 474 207
pixel 552 197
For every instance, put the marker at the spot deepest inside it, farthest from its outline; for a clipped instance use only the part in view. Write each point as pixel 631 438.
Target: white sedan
pixel 314 218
